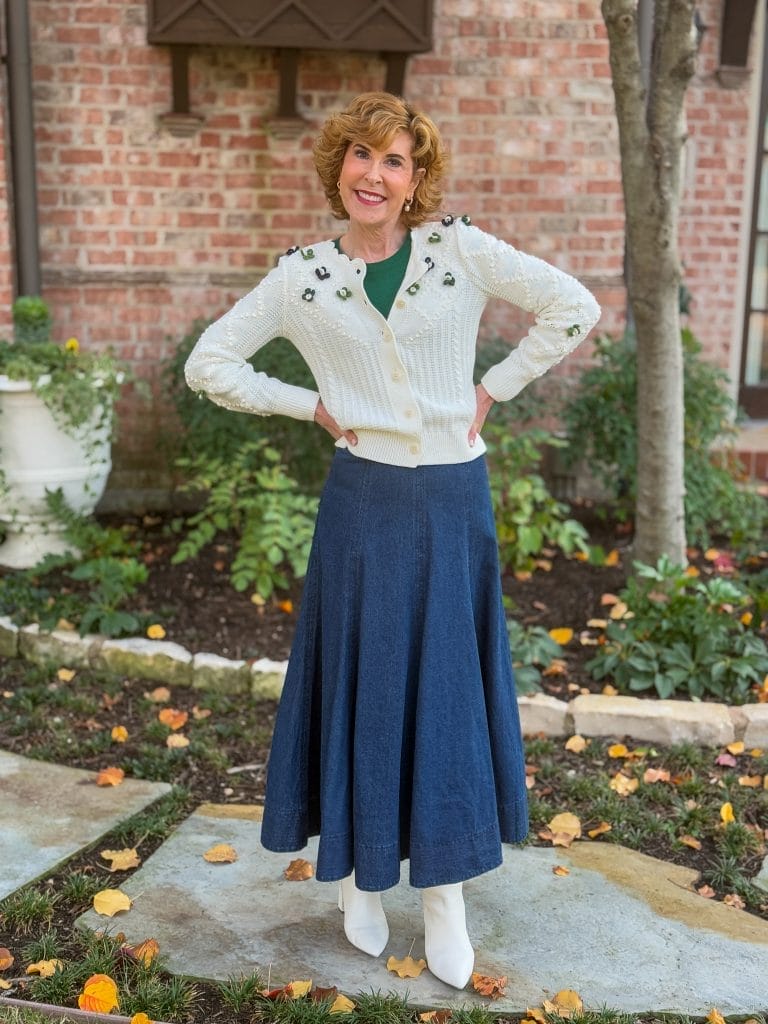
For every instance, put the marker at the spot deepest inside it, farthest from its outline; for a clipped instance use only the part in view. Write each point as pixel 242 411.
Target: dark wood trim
pixel 180 79
pixel 736 29
pixel 395 81
pixel 288 65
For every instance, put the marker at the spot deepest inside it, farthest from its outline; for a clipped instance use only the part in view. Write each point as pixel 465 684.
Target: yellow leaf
pixel 155 632
pixel 298 989
pixel 140 1018
pixel 200 713
pixel 715 1017
pixel 99 995
pixel 617 750
pixel 66 675
pixel 176 741
pixel 599 830
pixel 160 695
pixel 173 718
pixel 487 985
pixel 257 599
pixel 726 813
pixel 145 952
pixel 655 775
pixel 619 610
pixel 753 781
pixel 45 968
pixel 4 985
pixel 221 853
pixel 119 734
pixel 534 1013
pixel 565 1003
pixel 559 869
pixel 561 636
pixel 342 1005
pixel 691 841
pixel 609 691
pixel 567 823
pixel 711 554
pixel 691 570
pixel 756 752
pixel 597 623
pixel 746 619
pixel 122 860
pixel 623 785
pixel 6 958
pixel 576 744
pixel 110 902
pixel 407 967
pixel 110 777
pixel 736 748
pixel 299 870
pixel 612 558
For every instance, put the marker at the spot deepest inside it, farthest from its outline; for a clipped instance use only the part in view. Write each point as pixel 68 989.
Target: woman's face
pixel 375 183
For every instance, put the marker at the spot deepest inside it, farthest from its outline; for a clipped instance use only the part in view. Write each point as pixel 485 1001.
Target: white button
pixel 409 413
pixel 414 449
pixel 400 304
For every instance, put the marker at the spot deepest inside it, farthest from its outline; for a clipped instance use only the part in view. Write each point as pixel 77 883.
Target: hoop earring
pixel 338 185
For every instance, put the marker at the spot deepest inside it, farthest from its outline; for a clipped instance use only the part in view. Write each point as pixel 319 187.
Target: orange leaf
pixel 608 599
pixel 6 958
pixel 612 558
pixel 711 554
pixel 221 853
pixel 706 891
pixel 436 1016
pixel 155 632
pixel 691 570
pixel 173 718
pixel 122 860
pixel 656 775
pixel 753 781
pixel 715 1017
pixel 110 777
pixel 559 869
pixel 285 606
pixel 556 667
pixel 159 695
pixel 617 750
pixel 565 1003
pixel 99 995
pixel 732 899
pixel 407 967
pixel 4 985
pixel 119 734
pixel 691 841
pixel 599 830
pixel 561 636
pixel 488 986
pixel 145 952
pixel 299 870
pixel 140 1018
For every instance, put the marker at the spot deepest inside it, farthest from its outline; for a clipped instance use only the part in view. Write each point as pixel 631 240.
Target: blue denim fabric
pixel 398 733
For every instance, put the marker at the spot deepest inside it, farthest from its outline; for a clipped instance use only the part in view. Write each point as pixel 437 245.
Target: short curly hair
pixel 374 118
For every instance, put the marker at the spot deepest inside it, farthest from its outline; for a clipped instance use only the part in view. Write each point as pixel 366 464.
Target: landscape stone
pixel 212 672
pixel 9 638
pixel 540 713
pixel 267 678
pixel 660 721
pixel 50 813
pixel 64 648
pixel 756 731
pixel 158 660
pixel 625 930
pixel 761 878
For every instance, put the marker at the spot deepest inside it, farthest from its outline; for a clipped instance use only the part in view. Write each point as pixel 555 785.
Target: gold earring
pixel 407 204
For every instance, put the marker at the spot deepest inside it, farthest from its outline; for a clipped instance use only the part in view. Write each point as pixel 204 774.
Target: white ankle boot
pixel 364 922
pixel 450 956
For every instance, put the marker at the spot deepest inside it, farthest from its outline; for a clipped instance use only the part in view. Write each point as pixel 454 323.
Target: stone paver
pixel 662 721
pixel 48 813
pixel 540 713
pixel 160 660
pixel 212 672
pixel 623 929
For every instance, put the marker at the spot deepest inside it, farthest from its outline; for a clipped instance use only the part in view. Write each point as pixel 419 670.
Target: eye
pixel 394 161
pixel 360 153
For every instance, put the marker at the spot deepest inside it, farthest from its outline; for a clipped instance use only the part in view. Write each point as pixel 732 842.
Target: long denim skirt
pixel 398 734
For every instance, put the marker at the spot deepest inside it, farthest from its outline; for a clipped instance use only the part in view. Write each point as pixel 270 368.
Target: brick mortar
pixel 265 682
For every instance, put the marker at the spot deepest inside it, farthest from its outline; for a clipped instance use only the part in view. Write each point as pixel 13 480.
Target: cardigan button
pixel 400 304
pixel 414 449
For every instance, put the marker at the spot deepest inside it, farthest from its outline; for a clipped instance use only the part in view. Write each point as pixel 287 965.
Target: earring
pixel 338 185
pixel 407 204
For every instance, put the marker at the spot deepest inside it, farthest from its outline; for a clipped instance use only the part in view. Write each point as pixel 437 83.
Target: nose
pixel 373 173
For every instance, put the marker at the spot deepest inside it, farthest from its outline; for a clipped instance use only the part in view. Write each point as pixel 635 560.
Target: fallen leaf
pixel 691 841
pixel 726 813
pixel 200 713
pixel 5 985
pixel 298 989
pixel 176 741
pixel 559 869
pixel 599 830
pixel 258 600
pixel 99 995
pixel 565 1003
pixel 110 777
pixel 436 1016
pixel 342 1005
pixel 612 558
pixel 597 623
pixel 221 853
pixel 691 570
pixel 534 1013
pixel 285 606
pixel 407 967
pixel 623 785
pixel 488 986
pixel 619 611
pixel 173 718
pixel 608 599
pixel 155 631
pixel 321 995
pixel 617 750
pixel 711 554
pixel 140 1018
pixel 6 958
pixel 715 1017
pixel 736 748
pixel 576 744
pixel 110 902
pixel 523 575
pixel 66 675
pixel 756 752
pixel 732 899
pixel 108 702
pixel 561 636
pixel 652 775
pixel 556 667
pixel 45 968
pixel 746 619
pixel 752 781
pixel 145 952
pixel 159 695
pixel 122 860
pixel 299 870
pixel 566 823
pixel 119 734
pixel 706 891
pixel 728 760
pixel 609 691
pixel 545 564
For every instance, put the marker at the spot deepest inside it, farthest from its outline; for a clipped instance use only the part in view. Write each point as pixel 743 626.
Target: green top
pixel 383 279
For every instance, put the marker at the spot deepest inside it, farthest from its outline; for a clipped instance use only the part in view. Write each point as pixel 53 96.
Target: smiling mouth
pixel 369 197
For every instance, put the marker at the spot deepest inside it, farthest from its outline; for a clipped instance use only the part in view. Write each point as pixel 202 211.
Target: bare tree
pixel 651 138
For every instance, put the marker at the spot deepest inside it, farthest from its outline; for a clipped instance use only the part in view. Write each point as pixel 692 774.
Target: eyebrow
pixel 365 145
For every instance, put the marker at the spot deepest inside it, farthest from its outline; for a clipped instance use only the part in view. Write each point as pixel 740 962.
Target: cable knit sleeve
pixel 565 311
pixel 217 364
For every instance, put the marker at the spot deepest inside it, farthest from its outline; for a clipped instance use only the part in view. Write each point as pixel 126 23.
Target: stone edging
pixel 659 721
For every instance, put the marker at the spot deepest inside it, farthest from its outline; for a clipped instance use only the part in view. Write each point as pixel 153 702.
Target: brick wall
pixel 143 231
pixel 6 256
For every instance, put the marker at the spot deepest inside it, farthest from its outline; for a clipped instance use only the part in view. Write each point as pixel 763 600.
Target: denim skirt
pixel 398 733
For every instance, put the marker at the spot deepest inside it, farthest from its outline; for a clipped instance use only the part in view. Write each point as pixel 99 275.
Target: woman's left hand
pixel 484 403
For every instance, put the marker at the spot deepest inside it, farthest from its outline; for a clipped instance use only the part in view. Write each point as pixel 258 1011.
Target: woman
pixel 398 733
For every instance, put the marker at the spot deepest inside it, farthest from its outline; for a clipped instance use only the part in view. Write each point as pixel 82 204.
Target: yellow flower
pixel 72 345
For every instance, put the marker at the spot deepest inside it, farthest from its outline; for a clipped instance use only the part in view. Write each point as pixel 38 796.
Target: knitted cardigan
pixel 403 384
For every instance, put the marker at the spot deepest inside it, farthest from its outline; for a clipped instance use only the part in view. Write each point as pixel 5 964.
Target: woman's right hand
pixel 324 419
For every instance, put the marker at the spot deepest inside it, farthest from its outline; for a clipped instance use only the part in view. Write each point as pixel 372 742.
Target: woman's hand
pixel 324 419
pixel 484 403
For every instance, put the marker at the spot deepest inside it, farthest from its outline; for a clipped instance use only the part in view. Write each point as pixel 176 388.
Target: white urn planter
pixel 37 456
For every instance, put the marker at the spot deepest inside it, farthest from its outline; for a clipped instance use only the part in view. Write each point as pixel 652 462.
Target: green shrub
pixel 601 420
pixel 532 649
pixel 683 635
pixel 211 430
pixel 528 518
pixel 249 491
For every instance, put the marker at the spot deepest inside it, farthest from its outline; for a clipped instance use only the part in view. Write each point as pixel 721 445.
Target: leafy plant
pixel 601 420
pixel 249 491
pixel 683 635
pixel 528 518
pixel 532 649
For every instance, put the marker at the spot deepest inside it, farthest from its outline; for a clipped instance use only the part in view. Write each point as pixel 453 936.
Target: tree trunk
pixel 651 138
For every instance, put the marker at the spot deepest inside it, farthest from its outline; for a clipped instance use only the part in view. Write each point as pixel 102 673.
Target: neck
pixel 372 244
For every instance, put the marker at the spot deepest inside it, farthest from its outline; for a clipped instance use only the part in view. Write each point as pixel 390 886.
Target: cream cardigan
pixel 404 384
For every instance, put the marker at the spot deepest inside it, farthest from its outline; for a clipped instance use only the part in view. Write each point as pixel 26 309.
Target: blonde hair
pixel 374 118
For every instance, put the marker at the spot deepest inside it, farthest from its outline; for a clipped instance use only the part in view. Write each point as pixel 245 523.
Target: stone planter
pixel 37 456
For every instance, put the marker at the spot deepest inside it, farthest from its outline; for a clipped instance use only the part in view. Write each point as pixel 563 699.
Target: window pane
pixel 756 370
pixel 762 210
pixel 760 274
